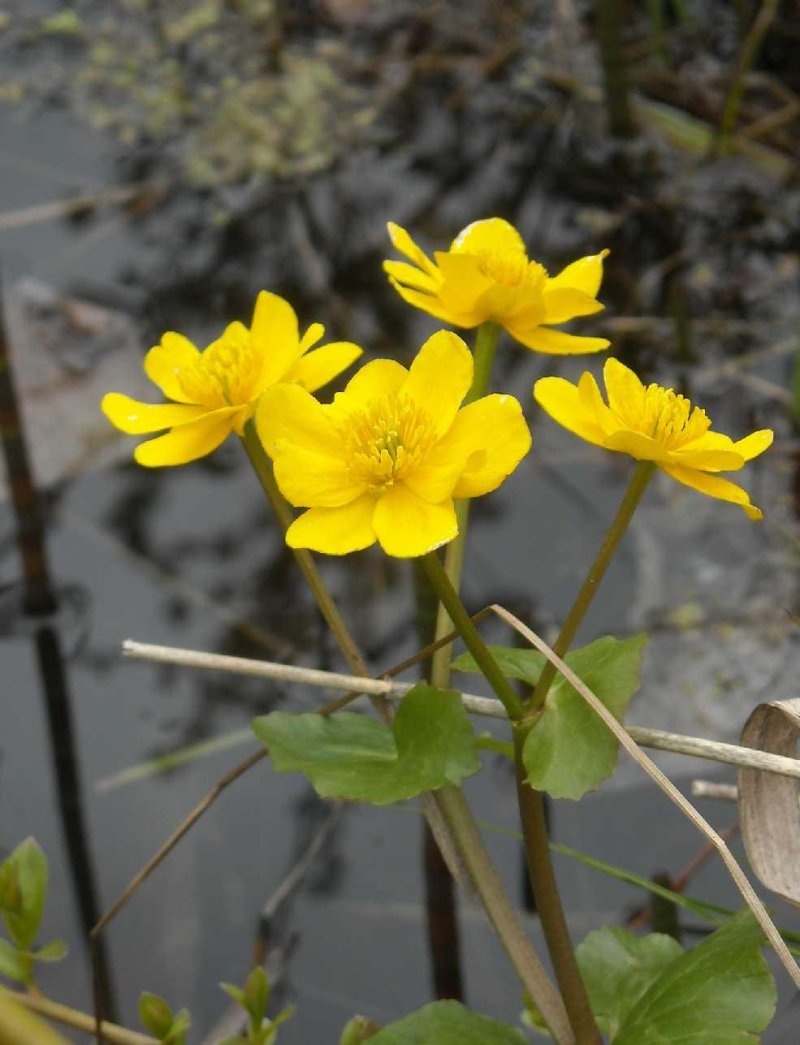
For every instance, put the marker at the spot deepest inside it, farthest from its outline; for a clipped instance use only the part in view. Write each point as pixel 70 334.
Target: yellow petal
pixel 642 447
pixel 275 333
pixel 289 415
pixel 594 404
pixel 707 460
pixel 335 531
pixel 435 479
pixel 135 418
pixel 311 337
pixel 405 244
pixel 624 389
pixel 753 445
pixel 375 380
pixel 565 303
pixel 490 437
pixel 427 302
pixel 236 333
pixel 556 342
pixel 488 236
pixel 407 526
pixel 563 402
pixel 310 480
pixel 711 441
pixel 585 274
pixel 317 368
pixel 163 364
pixel 440 377
pixel 410 276
pixel 463 286
pixel 190 441
pixel 714 486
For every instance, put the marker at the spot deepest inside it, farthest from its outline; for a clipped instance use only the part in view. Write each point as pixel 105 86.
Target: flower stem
pixel 485 348
pixel 548 901
pixel 638 484
pixel 501 914
pixel 448 596
pixel 262 466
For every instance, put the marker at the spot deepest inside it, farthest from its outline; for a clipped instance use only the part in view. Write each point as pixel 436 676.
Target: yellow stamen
pixel 387 440
pixel 224 375
pixel 665 416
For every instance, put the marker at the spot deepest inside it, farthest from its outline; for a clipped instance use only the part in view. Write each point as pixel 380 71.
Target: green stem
pixel 501 913
pixel 548 901
pixel 262 466
pixel 448 596
pixel 485 348
pixel 486 341
pixel 638 484
pixel 455 812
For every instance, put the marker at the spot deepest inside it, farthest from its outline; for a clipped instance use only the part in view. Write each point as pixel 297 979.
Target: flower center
pixel 506 267
pixel 385 442
pixel 669 418
pixel 224 375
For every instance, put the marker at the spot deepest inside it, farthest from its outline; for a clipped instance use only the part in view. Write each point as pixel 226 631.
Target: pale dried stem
pixel 695 747
pixel 82 1021
pixel 669 789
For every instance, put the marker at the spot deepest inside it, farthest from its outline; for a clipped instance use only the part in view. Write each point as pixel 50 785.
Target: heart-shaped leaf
pixel 448 1023
pixel 719 993
pixel 350 756
pixel 618 967
pixel 569 750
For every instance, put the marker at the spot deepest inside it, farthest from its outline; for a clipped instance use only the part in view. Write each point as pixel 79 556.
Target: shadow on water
pixel 39 613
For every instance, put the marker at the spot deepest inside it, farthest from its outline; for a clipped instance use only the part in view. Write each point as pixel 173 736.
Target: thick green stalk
pixel 548 901
pixel 537 847
pixel 501 913
pixel 638 484
pixel 448 596
pixel 262 466
pixel 485 348
pixel 455 812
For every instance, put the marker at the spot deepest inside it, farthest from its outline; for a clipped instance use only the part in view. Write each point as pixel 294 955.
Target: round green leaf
pixel 719 993
pixel 448 1023
pixel 569 749
pixel 350 756
pixel 618 967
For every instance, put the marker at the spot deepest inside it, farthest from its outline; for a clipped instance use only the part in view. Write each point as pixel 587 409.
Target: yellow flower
pixel 653 424
pixel 487 275
pixel 214 392
pixel 386 459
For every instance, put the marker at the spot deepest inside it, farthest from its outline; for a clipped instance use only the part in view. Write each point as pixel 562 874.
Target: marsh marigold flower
pixel 387 458
pixel 655 424
pixel 214 392
pixel 487 275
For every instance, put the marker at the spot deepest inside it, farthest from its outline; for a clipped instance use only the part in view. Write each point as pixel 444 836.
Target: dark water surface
pixel 191 558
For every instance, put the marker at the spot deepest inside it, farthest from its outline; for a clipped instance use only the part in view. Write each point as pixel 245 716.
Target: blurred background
pixel 161 161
